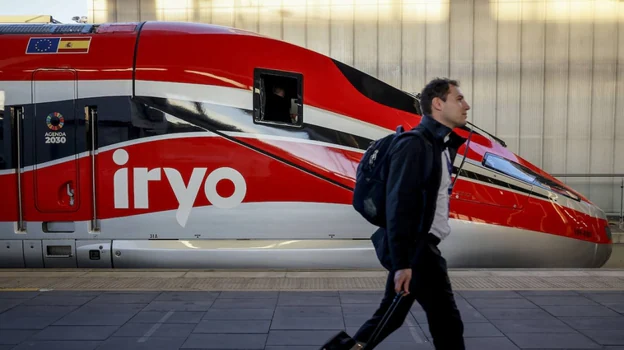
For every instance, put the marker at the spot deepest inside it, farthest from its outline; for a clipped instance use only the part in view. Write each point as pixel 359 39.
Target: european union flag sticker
pixel 43 45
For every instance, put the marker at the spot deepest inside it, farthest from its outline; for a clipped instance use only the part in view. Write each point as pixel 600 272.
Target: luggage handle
pixel 385 319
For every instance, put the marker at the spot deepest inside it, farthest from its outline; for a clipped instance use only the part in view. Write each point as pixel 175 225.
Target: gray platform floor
pixel 298 320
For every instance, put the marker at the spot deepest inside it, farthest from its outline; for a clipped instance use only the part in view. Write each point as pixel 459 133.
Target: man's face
pixel 455 109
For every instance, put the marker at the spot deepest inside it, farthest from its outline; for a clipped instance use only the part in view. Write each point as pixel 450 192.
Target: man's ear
pixel 436 103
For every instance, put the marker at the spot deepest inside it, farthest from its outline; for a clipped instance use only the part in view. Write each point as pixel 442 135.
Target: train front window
pixel 278 97
pixel 525 174
pixel 507 167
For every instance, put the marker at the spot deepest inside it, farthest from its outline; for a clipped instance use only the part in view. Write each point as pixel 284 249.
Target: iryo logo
pixel 185 193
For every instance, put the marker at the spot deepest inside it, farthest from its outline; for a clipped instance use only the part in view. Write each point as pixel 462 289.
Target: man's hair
pixel 438 87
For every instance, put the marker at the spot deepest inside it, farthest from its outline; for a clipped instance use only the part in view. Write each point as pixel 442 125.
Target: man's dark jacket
pixel 413 181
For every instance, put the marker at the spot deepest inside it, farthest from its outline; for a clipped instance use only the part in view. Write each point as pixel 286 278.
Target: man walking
pixel 417 209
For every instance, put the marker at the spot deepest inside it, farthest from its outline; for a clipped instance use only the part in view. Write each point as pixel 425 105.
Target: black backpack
pixel 369 194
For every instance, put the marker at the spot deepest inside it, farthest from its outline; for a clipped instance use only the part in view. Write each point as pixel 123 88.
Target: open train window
pixel 278 97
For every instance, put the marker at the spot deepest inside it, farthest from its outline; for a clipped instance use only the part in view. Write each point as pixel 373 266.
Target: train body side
pixel 153 175
pixel 50 81
pixel 178 171
pixel 54 88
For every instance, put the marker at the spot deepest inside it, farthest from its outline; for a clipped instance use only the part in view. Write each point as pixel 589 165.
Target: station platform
pixel 299 310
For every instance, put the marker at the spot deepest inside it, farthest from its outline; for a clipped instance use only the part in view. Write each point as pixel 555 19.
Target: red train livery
pixel 181 145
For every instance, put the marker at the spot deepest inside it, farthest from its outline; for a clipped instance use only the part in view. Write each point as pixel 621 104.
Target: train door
pixel 11 254
pixel 55 185
pixel 54 143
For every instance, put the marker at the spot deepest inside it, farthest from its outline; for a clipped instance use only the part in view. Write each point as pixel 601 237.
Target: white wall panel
pixel 246 15
pixel 579 96
pixel 618 144
pixel 101 11
pixel 508 74
pixel 603 107
pixel 437 40
pixel 556 92
pixel 461 43
pixel 294 24
pixel 128 10
pixel 166 10
pixel 147 10
pixel 270 18
pixel 485 67
pixel 389 35
pixel 366 40
pixel 318 25
pixel 413 47
pixel 547 76
pixel 342 30
pixel 531 111
pixel 223 11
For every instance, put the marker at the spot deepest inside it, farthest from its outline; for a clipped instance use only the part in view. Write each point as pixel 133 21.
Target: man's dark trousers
pixel 431 287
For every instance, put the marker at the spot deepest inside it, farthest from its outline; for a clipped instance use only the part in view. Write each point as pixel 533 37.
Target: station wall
pixel 546 76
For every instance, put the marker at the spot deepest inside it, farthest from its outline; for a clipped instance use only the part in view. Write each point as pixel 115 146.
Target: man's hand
pixel 402 280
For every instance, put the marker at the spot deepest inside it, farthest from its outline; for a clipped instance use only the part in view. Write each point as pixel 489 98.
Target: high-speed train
pixel 183 145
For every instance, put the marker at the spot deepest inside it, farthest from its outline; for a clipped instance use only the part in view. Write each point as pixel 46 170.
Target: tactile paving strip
pixel 193 280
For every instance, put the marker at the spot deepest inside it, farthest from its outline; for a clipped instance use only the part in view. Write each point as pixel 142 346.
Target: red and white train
pixel 182 145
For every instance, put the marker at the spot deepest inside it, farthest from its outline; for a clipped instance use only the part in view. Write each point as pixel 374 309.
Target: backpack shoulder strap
pixel 417 133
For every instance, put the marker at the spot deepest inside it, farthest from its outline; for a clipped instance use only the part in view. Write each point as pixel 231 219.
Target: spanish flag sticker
pixel 77 45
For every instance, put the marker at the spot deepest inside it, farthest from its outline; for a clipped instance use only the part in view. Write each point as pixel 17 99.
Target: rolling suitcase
pixel 342 341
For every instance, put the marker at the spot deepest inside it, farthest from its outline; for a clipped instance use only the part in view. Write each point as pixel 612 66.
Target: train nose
pixel 604 250
pixel 603 238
